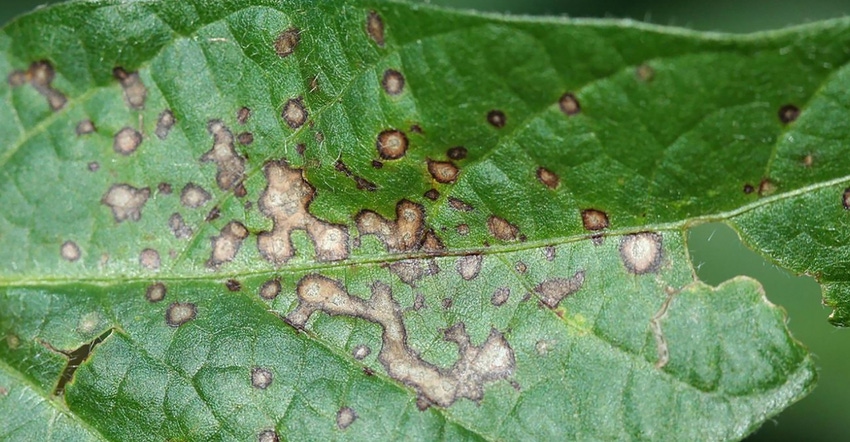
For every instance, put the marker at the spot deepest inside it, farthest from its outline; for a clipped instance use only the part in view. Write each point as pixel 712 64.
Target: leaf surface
pixel 253 219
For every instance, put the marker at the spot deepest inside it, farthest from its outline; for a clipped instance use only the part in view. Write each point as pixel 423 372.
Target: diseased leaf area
pixel 263 220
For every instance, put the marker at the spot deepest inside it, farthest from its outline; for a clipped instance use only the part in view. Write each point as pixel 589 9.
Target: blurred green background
pixel 715 248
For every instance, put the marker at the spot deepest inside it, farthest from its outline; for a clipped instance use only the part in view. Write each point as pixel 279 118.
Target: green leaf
pixel 260 219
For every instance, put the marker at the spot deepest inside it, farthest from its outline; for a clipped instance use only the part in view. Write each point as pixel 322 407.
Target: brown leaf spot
pixel 70 251
pixel 233 285
pixel 469 266
pixel 391 144
pixel 377 164
pixel 286 42
pixel 766 187
pixel 497 118
pixel 548 178
pixel 463 229
pixel 457 153
pixel 846 198
pixel 644 73
pixel 748 188
pixel 500 296
pixel 393 82
pixel 501 229
pixel 294 113
pixel 242 115
pixel 178 226
pixel 261 378
pixel 553 291
pixel 164 124
pixel 226 245
pixel 126 201
pixel 408 270
pixel 407 233
pixel 231 165
pixel 155 292
pixel 432 194
pixel 149 259
pixel 594 220
pixel 85 127
pixel 127 140
pixel 459 205
pixel 270 289
pixel 641 252
pixel 520 267
pixel 788 113
pixel 375 28
pixel 345 417
pixel 135 91
pixel 443 171
pixel 550 253
pixel 569 104
pixel 245 138
pixel 286 200
pixel 447 303
pixel 194 196
pixel 179 313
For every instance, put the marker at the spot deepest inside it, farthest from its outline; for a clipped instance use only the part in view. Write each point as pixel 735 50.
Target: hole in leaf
pixel 75 359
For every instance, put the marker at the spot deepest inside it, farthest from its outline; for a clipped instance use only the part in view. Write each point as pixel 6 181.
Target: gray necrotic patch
pixel 345 417
pixel 286 42
pixel 261 378
pixel 294 113
pixel 361 351
pixel 270 289
pixel 85 127
pixel 268 436
pixel 149 259
pixel 393 82
pixel 553 291
pixel 500 296
pixel 226 244
pixel 70 251
pixel 179 313
pixel 178 226
pixel 469 266
pixel 156 292
pixel 194 196
pixel 126 201
pixel 135 92
pixel 230 164
pixel 127 141
pixel 164 124
pixel 641 252
pixel 502 229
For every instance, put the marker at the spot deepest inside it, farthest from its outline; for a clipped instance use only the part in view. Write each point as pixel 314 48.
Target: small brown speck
pixel 550 253
pixel 808 160
pixel 270 289
pixel 594 220
pixel 135 91
pixel 245 138
pixel 127 140
pixel 155 292
pixel 391 144
pixel 497 118
pixel 214 214
pixel 261 378
pixel 393 82
pixel 286 42
pixel 520 267
pixel 460 205
pixel 94 166
pixel 164 188
pixel 70 251
pixel 748 188
pixel 294 113
pixel 457 153
pixel 644 73
pixel 447 303
pixel 240 191
pixel 300 148
pixel 443 171
pixel 548 178
pixel 500 296
pixel 432 194
pixel 242 115
pixel 415 128
pixel 85 127
pixel 368 371
pixel 149 259
pixel 463 229
pixel 377 164
pixel 375 28
pixel 846 198
pixel 233 285
pixel 788 113
pixel 314 83
pixel 569 104
pixel 319 136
